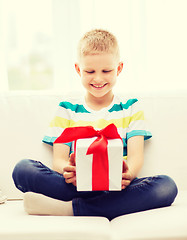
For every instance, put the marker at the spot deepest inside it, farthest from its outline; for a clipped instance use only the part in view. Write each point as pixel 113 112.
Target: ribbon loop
pixel 73 133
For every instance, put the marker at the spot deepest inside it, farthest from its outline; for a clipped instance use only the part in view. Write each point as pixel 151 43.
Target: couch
pixel 24 117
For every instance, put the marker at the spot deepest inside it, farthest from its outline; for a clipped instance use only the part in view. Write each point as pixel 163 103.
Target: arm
pixel 135 158
pixel 60 157
pixel 64 164
pixel 135 154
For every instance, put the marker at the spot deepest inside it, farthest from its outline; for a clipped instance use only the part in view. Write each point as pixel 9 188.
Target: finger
pixel 72 159
pixel 70 168
pixel 74 183
pixel 125 166
pixel 70 180
pixel 69 175
pixel 126 176
pixel 125 183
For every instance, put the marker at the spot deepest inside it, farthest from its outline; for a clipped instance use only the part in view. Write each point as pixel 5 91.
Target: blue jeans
pixel 142 194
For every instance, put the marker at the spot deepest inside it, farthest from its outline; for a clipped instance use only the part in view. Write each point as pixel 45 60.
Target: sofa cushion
pixel 17 225
pixel 164 223
pixel 3 198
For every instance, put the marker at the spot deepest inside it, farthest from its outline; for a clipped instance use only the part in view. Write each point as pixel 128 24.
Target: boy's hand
pixel 126 176
pixel 70 170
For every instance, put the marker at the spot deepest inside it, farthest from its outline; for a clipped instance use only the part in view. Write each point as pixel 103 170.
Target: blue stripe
pixel 121 106
pixel 144 133
pixel 73 107
pixel 124 151
pixel 50 141
pixel 124 142
pixel 124 147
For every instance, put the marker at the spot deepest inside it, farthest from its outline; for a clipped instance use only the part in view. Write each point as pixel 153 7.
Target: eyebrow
pixel 92 69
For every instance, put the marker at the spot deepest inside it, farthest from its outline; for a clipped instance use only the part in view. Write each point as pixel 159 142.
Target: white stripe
pixel 69 114
pixel 54 131
pixel 137 125
pixel 63 113
pixel 135 108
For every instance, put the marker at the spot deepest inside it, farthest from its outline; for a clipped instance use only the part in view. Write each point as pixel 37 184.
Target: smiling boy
pixel 98 66
pixel 53 191
pixel 99 73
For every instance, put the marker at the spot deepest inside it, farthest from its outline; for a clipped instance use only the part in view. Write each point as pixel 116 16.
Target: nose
pixel 98 78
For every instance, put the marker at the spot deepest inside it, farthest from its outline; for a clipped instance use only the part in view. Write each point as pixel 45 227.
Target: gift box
pixel 103 174
pixel 98 156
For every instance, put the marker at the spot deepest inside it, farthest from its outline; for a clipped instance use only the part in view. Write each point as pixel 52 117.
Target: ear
pixel 77 68
pixel 120 68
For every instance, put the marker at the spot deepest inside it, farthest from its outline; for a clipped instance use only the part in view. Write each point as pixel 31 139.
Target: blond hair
pixel 98 41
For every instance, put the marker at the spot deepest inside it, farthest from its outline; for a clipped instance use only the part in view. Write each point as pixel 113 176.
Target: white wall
pixel 152 36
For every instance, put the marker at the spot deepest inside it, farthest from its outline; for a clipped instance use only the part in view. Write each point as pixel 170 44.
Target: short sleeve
pixel 60 121
pixel 137 123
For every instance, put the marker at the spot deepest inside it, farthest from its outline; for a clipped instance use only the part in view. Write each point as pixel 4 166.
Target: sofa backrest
pixel 24 118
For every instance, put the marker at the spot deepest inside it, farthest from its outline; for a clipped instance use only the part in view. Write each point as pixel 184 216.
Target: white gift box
pixel 84 164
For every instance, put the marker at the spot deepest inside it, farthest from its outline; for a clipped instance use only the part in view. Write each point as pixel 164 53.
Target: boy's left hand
pixel 126 176
pixel 70 170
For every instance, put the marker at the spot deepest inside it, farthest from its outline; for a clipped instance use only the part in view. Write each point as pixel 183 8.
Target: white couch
pixel 24 117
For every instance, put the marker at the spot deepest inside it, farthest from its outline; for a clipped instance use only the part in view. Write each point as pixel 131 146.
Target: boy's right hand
pixel 126 176
pixel 69 171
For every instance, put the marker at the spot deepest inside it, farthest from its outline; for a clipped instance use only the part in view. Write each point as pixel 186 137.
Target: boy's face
pixel 98 73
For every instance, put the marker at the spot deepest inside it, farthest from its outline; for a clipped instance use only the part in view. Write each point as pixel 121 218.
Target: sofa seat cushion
pixel 3 198
pixel 163 223
pixel 169 223
pixel 17 225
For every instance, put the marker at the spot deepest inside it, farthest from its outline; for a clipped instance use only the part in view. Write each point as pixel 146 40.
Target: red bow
pixel 100 165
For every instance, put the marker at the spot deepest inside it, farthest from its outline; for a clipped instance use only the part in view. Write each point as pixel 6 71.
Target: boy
pixel 53 191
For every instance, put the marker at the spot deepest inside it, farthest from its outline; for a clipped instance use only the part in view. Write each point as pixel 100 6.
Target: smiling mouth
pixel 98 86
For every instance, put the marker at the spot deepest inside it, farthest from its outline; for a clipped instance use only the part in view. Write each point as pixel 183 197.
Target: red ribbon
pixel 100 165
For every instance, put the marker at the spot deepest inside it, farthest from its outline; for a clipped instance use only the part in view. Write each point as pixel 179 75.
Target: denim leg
pixel 142 194
pixel 33 176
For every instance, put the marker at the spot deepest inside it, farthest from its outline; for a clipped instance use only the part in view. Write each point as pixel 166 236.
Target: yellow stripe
pixel 60 122
pixel 101 123
pixel 138 116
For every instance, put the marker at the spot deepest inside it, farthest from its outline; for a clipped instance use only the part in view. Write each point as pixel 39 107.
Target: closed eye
pixel 89 72
pixel 107 71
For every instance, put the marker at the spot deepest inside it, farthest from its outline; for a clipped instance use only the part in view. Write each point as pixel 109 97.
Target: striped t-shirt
pixel 125 114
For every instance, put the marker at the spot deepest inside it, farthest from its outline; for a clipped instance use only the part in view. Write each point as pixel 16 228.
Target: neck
pixel 96 103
